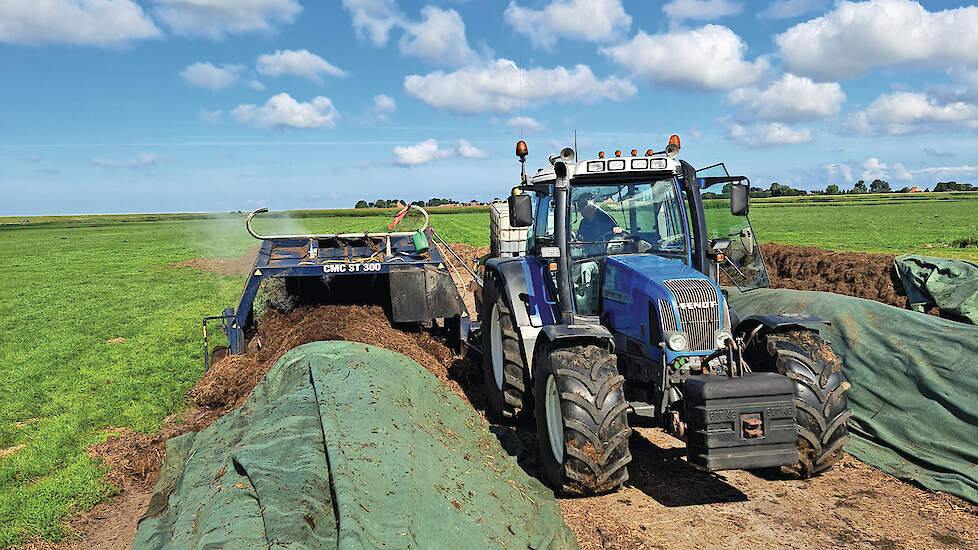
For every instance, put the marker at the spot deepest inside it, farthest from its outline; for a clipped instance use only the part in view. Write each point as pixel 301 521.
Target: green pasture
pixel 905 224
pixel 70 283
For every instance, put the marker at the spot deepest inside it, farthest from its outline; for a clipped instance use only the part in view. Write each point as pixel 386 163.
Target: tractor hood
pixel 645 296
pixel 656 267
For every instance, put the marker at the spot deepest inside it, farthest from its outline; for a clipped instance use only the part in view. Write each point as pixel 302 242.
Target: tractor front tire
pixel 506 377
pixel 582 422
pixel 820 393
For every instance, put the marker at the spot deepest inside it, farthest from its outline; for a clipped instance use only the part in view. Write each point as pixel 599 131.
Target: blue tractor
pixel 616 314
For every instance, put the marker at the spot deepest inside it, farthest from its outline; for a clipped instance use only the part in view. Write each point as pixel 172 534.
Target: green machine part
pixel 420 241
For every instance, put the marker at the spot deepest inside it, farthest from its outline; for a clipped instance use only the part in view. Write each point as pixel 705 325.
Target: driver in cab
pixel 596 225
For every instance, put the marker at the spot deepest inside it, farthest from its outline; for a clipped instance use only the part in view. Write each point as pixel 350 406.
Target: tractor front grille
pixel 667 316
pixel 699 311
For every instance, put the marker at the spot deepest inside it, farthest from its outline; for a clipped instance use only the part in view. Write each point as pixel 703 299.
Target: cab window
pixel 543 228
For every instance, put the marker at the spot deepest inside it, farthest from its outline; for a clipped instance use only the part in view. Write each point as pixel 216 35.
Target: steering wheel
pixel 620 235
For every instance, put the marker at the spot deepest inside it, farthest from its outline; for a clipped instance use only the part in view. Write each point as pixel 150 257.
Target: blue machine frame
pixel 421 285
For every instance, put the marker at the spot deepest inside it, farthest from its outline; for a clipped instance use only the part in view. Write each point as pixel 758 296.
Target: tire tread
pixel 594 408
pixel 820 393
pixel 507 405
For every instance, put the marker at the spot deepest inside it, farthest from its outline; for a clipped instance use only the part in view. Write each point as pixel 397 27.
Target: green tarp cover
pixel 951 285
pixel 348 446
pixel 914 380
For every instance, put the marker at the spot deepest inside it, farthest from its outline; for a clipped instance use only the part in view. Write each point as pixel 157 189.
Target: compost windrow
pixel 869 276
pixel 229 382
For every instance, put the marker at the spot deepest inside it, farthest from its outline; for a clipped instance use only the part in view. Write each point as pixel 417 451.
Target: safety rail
pixel 336 235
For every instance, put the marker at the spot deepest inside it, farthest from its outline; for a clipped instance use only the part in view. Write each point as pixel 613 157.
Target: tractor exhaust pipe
pixel 564 295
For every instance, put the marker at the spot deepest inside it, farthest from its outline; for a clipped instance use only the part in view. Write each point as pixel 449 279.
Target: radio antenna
pixel 575 145
pixel 520 68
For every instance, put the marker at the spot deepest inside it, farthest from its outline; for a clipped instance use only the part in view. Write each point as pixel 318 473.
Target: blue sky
pixel 209 105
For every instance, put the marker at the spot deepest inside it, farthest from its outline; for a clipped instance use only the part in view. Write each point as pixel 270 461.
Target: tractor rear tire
pixel 820 393
pixel 506 377
pixel 582 420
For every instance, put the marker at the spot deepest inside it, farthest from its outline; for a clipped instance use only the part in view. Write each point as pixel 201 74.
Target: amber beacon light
pixel 521 150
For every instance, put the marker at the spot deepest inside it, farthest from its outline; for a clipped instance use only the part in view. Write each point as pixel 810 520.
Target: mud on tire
pixel 593 431
pixel 820 393
pixel 506 396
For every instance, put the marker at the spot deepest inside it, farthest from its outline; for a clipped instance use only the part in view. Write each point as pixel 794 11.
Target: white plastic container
pixel 505 240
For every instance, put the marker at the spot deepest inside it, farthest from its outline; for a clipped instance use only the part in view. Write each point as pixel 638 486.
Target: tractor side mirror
pixel 520 210
pixel 739 199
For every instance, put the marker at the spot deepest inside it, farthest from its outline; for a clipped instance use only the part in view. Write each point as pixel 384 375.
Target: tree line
pixel 860 187
pixel 394 203
pixel 882 186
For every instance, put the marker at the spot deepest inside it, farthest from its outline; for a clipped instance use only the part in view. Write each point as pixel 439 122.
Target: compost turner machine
pixel 407 273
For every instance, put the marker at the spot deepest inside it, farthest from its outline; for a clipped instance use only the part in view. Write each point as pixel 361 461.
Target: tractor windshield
pixel 626 218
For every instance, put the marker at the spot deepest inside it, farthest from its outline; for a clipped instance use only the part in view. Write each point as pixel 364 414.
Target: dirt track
pixel 666 504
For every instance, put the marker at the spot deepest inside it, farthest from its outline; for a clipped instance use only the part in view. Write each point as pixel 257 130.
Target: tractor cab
pixel 623 209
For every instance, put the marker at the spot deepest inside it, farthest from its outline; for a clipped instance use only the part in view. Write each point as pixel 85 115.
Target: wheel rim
pixel 496 346
pixel 555 420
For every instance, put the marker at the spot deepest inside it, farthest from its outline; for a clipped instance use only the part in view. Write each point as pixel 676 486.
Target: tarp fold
pixel 951 285
pixel 914 383
pixel 348 446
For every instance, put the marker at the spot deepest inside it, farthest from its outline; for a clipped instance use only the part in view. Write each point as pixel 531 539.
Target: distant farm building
pixel 915 189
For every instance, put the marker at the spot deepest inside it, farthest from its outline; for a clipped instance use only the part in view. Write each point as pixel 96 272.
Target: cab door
pixel 743 261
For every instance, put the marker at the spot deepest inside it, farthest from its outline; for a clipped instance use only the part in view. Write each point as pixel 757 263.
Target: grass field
pixel 924 223
pixel 69 284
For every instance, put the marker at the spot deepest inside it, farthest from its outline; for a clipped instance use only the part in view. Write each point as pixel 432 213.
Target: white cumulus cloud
pixel 947 169
pixel 210 116
pixel 301 63
pixel 525 123
pixel 468 151
pixel 854 38
pixel 85 22
pixel 833 171
pixel 873 169
pixel 495 86
pixel 709 57
pixel 900 172
pixel 217 18
pixel 430 150
pixel 439 38
pixel 913 112
pixel 373 19
pixel 590 20
pixel 701 9
pixel 282 111
pixel 211 77
pixel 420 153
pixel 772 133
pixel 788 99
pixel 384 105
